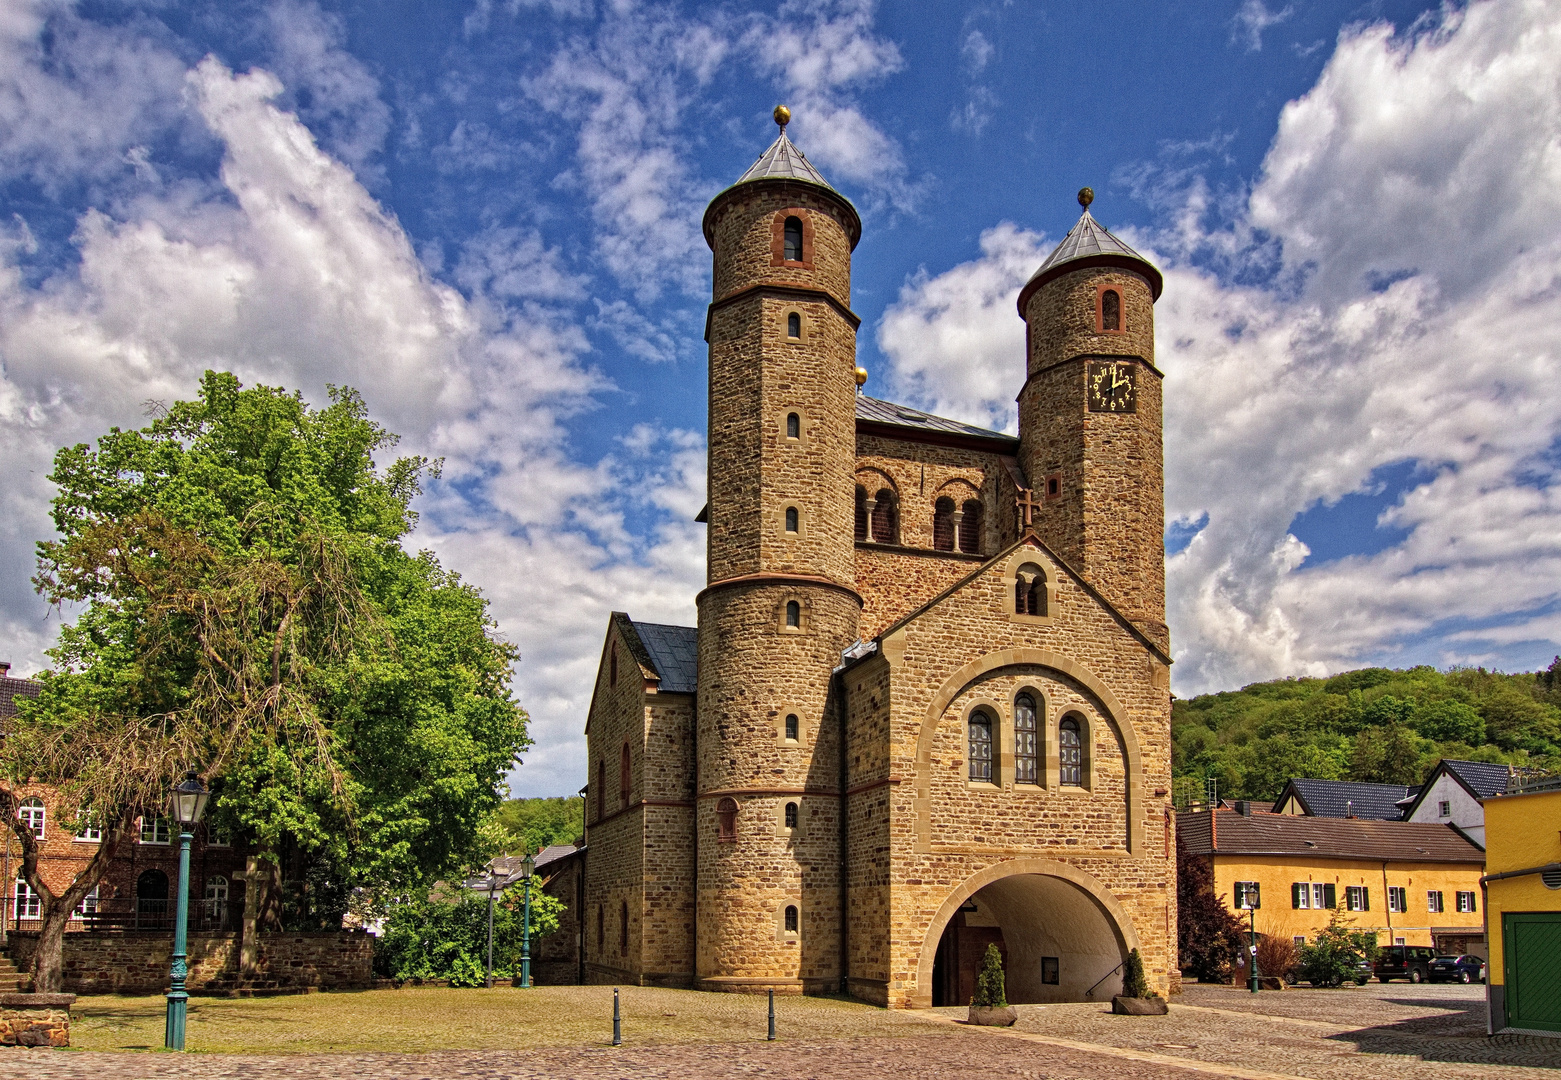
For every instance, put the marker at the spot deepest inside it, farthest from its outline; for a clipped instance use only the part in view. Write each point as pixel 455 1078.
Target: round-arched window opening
pixel 793 726
pixel 793 614
pixel 943 524
pixel 981 747
pixel 791 519
pixel 794 325
pixel 791 918
pixel 726 818
pixel 1070 753
pixel 793 426
pixel 793 239
pixel 791 815
pixel 1027 758
pixel 1110 310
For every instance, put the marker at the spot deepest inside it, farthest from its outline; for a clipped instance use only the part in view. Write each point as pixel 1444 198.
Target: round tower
pixel 1090 420
pixel 780 603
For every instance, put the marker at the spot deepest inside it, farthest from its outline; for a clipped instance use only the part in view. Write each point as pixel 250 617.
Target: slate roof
pixel 887 412
pixel 674 652
pixel 1339 798
pixel 783 161
pixel 1482 778
pixel 1090 240
pixel 10 690
pixel 1225 832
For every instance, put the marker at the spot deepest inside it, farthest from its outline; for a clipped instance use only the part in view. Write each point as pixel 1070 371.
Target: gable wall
pixel 1467 813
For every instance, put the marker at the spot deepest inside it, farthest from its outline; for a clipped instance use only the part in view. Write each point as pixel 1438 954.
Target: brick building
pixel 926 705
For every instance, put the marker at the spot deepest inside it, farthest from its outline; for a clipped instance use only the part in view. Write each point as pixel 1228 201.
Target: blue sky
pixel 485 216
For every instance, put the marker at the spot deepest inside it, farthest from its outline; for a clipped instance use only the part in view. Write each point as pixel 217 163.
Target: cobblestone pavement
pixel 1389 1032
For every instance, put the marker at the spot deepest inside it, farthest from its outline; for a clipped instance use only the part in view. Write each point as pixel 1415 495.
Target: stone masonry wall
pixel 136 962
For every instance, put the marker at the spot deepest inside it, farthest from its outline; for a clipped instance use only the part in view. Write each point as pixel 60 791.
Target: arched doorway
pixel 1063 936
pixel 151 898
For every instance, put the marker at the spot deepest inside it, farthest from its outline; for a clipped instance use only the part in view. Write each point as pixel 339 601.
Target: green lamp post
pixel 186 804
pixel 528 866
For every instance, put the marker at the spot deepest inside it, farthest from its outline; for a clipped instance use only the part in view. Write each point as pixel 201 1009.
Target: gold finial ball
pixel 782 115
pixel 861 375
pixel 1086 196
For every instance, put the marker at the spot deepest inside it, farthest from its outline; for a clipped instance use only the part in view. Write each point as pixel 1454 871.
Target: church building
pixel 926 707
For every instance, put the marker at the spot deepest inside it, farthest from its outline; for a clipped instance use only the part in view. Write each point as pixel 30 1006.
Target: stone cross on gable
pixel 1027 507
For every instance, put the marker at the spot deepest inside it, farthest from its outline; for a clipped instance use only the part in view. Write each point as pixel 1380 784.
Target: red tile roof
pixel 1323 838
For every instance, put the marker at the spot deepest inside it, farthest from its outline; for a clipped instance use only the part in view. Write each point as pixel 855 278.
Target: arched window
pixel 886 525
pixel 791 519
pixel 943 524
pixel 601 789
pixel 1030 591
pixel 726 819
pixel 1070 754
pixel 793 423
pixel 861 513
pixel 981 746
pixel 970 528
pixel 793 614
pixel 793 727
pixel 32 814
pixel 791 815
pixel 1027 756
pixel 612 665
pixel 791 918
pixel 793 325
pixel 623 778
pixel 623 929
pixel 793 239
pixel 1110 310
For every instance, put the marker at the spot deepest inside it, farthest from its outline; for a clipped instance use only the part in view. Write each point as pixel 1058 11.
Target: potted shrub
pixel 990 1007
pixel 1136 998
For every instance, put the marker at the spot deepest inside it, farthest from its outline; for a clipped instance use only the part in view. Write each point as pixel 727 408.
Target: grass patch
pixel 414 1020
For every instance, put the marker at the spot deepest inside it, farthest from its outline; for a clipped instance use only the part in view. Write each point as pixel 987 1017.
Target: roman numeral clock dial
pixel 1110 387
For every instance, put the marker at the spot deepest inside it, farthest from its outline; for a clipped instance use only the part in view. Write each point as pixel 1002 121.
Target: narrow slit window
pixel 793 726
pixel 612 665
pixel 793 239
pixel 726 819
pixel 1110 310
pixel 1070 753
pixel 623 929
pixel 791 519
pixel 861 513
pixel 601 929
pixel 793 325
pixel 791 918
pixel 601 789
pixel 981 747
pixel 885 518
pixel 793 426
pixel 970 528
pixel 1026 742
pixel 791 815
pixel 623 778
pixel 943 525
pixel 793 614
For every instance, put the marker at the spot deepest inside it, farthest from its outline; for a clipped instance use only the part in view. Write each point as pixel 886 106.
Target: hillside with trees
pixel 1376 725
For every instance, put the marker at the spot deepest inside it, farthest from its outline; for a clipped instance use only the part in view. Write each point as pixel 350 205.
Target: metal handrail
pixel 1103 978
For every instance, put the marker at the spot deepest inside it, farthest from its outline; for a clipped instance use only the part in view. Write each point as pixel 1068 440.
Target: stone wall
pixel 35 1019
pixel 136 962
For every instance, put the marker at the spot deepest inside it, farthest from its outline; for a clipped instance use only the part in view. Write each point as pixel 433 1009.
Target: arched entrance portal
pixel 1062 935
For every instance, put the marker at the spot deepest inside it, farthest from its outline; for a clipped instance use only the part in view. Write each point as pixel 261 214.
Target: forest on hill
pixel 1377 725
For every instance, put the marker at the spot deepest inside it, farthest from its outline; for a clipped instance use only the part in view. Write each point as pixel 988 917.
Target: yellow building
pixel 1414 884
pixel 1523 913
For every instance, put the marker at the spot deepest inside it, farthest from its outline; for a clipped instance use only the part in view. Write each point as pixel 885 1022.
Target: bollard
pixel 772 1015
pixel 617 1027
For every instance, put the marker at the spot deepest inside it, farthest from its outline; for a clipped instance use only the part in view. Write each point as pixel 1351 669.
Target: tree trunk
pixel 48 961
pixel 262 897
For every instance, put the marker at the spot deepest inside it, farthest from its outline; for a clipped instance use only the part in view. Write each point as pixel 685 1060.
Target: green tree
pixel 1388 755
pixel 1333 956
pixel 1134 985
pixel 990 993
pixel 533 824
pixel 1450 721
pixel 445 936
pixel 247 608
pixel 1208 936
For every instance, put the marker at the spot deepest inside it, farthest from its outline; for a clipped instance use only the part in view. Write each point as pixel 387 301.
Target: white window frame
pixel 1434 902
pixel 1464 898
pixel 1444 808
pixel 1398 899
pixel 34 815
pixel 1319 901
pixel 1355 898
pixel 218 835
pixel 88 905
pixel 1299 940
pixel 29 905
pixel 150 826
pixel 1303 895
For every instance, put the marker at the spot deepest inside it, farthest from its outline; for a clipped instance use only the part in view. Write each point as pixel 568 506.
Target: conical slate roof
pixel 783 161
pixel 1089 243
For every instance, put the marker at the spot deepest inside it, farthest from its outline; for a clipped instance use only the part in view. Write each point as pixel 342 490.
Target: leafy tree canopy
pixel 445 936
pixel 533 824
pixel 1376 725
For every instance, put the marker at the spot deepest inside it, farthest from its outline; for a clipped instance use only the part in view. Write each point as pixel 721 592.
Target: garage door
pixel 1532 942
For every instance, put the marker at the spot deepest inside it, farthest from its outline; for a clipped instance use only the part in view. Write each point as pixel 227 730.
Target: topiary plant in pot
pixel 1136 999
pixel 990 1008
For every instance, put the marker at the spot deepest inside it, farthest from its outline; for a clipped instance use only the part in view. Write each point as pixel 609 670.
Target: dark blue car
pixel 1464 969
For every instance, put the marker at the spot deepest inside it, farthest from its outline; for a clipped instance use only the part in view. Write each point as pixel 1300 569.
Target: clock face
pixel 1110 387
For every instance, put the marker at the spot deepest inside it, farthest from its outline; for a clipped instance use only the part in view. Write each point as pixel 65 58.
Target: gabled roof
pixel 11 689
pixel 1341 798
pixel 870 411
pixel 1225 832
pixel 1089 243
pixel 1480 779
pixel 674 653
pixel 783 161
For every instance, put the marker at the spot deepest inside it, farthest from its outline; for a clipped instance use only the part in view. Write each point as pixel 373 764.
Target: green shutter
pixel 1532 941
pixel 1330 896
pixel 1365 898
pixel 1295 893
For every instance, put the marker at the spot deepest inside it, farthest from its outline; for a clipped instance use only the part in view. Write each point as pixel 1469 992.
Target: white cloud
pixel 1412 198
pixel 1252 18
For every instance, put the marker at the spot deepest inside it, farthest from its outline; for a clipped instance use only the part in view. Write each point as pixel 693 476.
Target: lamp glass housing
pixel 527 866
pixel 188 801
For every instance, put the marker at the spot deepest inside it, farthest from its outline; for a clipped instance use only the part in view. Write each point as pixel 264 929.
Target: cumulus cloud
pixel 1405 232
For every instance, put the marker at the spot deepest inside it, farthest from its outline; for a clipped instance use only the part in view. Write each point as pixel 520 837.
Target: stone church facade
pixel 926 706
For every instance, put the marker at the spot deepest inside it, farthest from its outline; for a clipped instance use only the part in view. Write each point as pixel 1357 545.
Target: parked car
pixel 1412 962
pixel 1464 969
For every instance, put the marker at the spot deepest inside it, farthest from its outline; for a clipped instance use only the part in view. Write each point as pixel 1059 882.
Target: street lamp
pixel 186 804
pixel 491 883
pixel 528 866
pixel 1248 896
